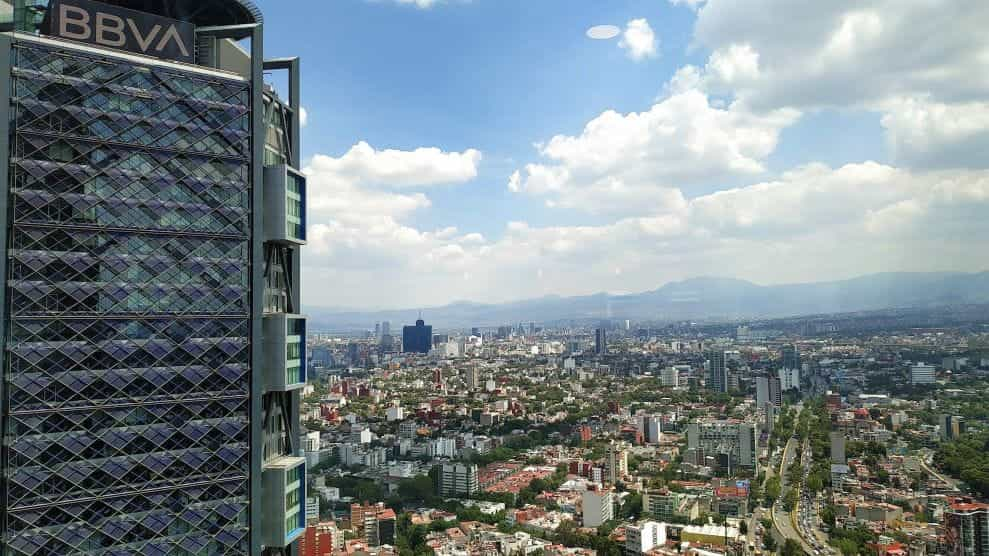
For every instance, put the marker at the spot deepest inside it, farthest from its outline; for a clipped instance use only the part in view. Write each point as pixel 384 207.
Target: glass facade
pixel 127 429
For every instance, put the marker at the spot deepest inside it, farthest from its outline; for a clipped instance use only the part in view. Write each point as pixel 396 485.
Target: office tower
pixel 153 348
pixel 761 391
pixel 770 418
pixel 600 341
pixel 387 343
pixel 616 462
pixel 458 479
pixel 653 430
pixel 838 447
pixel 952 426
pixel 597 505
pixel 922 374
pixel 789 357
pixel 377 330
pixel 385 328
pixel 670 376
pixel 967 528
pixel 418 338
pixel 717 373
pixel 776 391
pixel 789 379
pixel 768 390
pixel 472 378
pixel 735 440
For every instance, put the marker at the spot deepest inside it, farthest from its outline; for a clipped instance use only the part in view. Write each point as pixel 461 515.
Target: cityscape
pixel 638 278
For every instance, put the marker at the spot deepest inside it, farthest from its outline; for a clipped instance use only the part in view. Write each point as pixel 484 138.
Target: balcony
pixel 284 486
pixel 284 352
pixel 284 205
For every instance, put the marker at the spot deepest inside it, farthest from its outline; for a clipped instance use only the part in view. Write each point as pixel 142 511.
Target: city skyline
pixel 715 141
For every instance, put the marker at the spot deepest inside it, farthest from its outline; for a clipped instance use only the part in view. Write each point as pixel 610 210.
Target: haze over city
pixel 492 151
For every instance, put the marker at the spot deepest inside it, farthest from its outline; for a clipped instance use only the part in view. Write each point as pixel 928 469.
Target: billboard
pixel 121 28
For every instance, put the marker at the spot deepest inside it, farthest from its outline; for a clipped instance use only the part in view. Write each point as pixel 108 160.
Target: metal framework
pixel 128 371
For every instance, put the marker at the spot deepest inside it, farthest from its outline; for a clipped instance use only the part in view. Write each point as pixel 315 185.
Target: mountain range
pixel 704 298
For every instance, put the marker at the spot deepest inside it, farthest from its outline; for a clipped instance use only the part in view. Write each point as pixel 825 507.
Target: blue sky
pixel 739 99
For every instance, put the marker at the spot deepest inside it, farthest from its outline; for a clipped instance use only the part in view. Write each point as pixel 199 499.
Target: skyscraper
pixel 600 341
pixel 717 373
pixel 789 357
pixel 154 349
pixel 418 338
pixel 616 462
pixel 768 390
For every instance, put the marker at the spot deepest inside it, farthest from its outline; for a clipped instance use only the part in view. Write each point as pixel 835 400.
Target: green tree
pixel 790 499
pixel 791 548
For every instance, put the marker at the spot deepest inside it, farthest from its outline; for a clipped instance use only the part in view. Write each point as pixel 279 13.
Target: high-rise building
pixel 472 378
pixel 600 341
pixel 735 440
pixel 418 338
pixel 768 390
pixel 967 528
pixel 458 479
pixel 154 217
pixel 789 379
pixel 922 374
pixel 952 426
pixel 769 422
pixel 761 391
pixel 670 376
pixel 653 431
pixel 717 372
pixel 838 447
pixel 616 462
pixel 789 357
pixel 597 506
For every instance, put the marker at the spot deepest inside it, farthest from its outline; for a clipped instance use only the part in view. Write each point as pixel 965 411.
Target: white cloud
pixel 303 116
pixel 636 162
pixel 421 4
pixel 639 41
pixel 692 4
pixel 358 228
pixel 424 166
pixel 927 133
pixel 847 53
pixel 889 56
pixel 813 223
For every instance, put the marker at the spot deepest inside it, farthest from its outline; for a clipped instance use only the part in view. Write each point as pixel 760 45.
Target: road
pixel 925 463
pixel 801 527
pixel 783 520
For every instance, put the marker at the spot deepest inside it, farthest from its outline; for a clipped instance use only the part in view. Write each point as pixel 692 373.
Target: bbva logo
pixel 115 27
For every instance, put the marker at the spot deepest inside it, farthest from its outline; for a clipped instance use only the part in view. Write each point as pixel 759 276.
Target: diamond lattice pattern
pixel 127 363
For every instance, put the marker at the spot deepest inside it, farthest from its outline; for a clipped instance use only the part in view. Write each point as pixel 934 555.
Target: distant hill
pixel 696 298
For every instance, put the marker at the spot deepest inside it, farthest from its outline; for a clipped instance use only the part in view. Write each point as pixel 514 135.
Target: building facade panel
pixel 127 361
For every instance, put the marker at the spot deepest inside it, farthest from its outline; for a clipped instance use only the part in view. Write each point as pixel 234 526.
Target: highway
pixel 783 520
pixel 794 525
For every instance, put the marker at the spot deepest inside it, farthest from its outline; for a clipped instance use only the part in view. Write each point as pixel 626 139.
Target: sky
pixel 491 150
